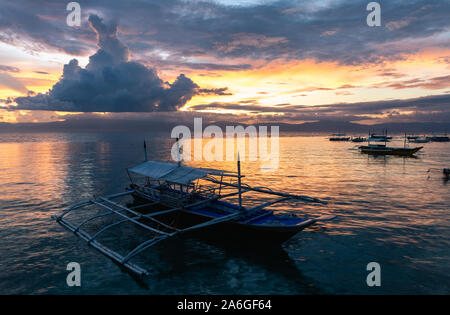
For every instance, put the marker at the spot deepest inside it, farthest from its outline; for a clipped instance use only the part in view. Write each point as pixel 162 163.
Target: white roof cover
pixel 170 172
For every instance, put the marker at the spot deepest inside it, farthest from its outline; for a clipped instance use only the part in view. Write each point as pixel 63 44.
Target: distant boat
pixel 339 137
pixel 382 149
pixel 439 138
pixel 359 139
pixel 373 137
pixel 419 140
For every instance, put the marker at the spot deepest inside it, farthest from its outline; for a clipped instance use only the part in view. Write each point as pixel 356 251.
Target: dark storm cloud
pixel 336 31
pixel 272 31
pixel 111 83
pixel 38 24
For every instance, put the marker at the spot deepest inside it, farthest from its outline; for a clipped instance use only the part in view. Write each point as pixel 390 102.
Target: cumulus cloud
pixel 111 83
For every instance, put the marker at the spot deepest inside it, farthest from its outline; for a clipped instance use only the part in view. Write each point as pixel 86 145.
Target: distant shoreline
pixel 319 127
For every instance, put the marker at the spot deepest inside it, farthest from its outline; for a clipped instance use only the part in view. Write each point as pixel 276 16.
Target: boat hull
pixel 234 232
pixel 420 141
pixel 389 151
pixel 439 139
pixel 239 230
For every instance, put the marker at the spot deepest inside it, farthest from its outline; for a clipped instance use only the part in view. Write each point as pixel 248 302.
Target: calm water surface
pixel 390 210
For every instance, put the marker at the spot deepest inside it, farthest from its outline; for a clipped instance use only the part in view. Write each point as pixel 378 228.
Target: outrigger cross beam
pixel 199 195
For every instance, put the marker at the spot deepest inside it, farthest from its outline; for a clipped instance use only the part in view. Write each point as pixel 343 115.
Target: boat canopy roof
pixel 172 172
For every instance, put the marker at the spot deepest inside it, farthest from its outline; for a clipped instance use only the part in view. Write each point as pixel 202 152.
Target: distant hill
pixel 322 126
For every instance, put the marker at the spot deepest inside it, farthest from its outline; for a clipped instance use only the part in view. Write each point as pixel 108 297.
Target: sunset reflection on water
pixel 389 210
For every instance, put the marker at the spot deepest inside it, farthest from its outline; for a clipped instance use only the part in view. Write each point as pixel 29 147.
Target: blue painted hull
pixel 261 225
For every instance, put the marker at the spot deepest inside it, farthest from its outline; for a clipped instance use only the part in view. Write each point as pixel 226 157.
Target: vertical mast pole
pixel 145 152
pixel 146 159
pixel 178 152
pixel 239 181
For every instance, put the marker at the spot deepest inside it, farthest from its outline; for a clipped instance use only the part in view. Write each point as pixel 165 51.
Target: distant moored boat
pixel 439 138
pixel 379 138
pixel 359 139
pixel 382 149
pixel 419 140
pixel 339 137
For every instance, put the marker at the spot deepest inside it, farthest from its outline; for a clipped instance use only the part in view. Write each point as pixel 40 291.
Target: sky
pixel 226 60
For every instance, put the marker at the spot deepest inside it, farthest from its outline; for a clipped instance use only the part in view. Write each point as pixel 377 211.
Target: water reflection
pixel 388 212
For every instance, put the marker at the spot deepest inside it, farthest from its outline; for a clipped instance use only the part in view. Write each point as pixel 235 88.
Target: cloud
pixel 434 108
pixel 311 89
pixel 178 61
pixel 112 83
pixel 318 88
pixel 38 25
pixel 10 82
pixel 215 91
pixel 435 83
pixel 343 93
pixel 328 33
pixel 393 25
pixel 243 41
pixel 9 69
pixel 261 30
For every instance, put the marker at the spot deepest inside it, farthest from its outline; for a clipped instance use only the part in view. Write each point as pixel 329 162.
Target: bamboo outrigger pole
pixel 271 192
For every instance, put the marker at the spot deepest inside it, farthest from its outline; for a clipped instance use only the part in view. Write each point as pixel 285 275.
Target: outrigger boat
pixel 444 138
pixel 379 138
pixel 359 139
pixel 339 137
pixel 173 199
pixel 383 149
pixel 418 140
pixel 373 137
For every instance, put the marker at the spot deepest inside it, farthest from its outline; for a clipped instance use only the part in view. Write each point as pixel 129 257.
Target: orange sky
pixel 280 81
